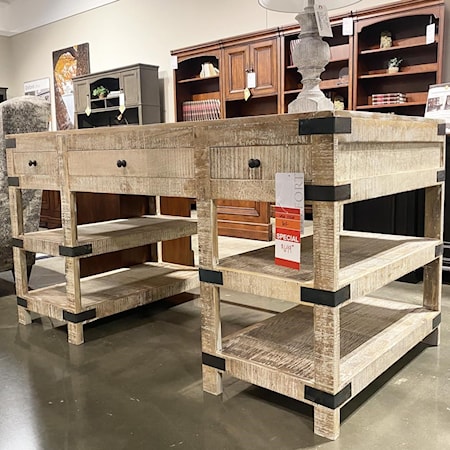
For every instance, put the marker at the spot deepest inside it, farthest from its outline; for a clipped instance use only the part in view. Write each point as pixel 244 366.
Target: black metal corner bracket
pixel 13 181
pixel 213 361
pixel 325 298
pixel 440 176
pixel 441 129
pixel 73 252
pixel 210 276
pixel 16 242
pixel 22 302
pixel 328 193
pixel 328 400
pixel 436 321
pixel 80 317
pixel 325 125
pixel 10 143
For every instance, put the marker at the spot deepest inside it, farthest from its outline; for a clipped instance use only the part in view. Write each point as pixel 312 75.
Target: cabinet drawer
pixel 151 163
pixel 258 162
pixel 35 163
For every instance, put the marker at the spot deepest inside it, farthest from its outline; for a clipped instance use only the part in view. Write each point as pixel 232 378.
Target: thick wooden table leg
pixel 210 295
pixel 24 316
pixel 75 333
pixel 432 277
pixel 326 422
pixel 211 336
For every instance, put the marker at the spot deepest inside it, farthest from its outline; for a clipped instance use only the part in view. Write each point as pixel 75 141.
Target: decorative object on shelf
pixel 394 65
pixel 385 39
pixel 208 70
pixel 343 76
pixel 338 103
pixel 312 54
pixel 100 92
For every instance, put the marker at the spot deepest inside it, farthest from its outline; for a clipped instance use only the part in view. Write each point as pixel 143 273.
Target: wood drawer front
pixel 234 162
pixel 151 163
pixel 35 163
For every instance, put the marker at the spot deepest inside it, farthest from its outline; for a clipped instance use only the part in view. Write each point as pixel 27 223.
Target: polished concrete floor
pixel 136 384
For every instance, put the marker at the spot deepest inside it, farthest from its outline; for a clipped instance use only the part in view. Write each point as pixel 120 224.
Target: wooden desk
pixel 125 163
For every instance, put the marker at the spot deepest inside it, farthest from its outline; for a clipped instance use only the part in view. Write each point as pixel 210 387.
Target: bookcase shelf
pixel 347 76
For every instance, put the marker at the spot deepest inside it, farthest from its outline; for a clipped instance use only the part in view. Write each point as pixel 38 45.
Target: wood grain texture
pixel 159 161
pixel 368 261
pixel 322 347
pixel 111 236
pixel 371 333
pixel 117 290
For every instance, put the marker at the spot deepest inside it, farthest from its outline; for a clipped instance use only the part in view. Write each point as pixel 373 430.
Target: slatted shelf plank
pixel 116 291
pixel 367 262
pixel 374 333
pixel 114 235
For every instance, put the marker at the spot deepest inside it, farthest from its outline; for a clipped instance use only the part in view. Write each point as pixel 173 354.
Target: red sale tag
pixel 289 204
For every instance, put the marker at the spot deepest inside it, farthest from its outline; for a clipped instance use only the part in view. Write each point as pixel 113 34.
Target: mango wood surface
pixel 155 160
pixel 332 350
pixel 116 291
pixel 111 236
pixel 335 350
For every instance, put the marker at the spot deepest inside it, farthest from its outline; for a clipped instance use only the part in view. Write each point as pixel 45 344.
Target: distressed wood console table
pixel 337 338
pixel 150 160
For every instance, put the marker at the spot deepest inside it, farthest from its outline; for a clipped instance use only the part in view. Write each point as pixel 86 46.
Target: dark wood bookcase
pixel 357 70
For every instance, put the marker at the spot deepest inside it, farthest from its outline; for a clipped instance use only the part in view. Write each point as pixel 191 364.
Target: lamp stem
pixel 311 55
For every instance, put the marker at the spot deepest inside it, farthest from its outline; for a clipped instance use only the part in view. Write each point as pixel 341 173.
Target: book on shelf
pixel 194 110
pixel 385 99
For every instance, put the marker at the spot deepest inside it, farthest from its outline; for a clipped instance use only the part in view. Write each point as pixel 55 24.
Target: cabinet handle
pixel 32 163
pixel 254 163
pixel 121 163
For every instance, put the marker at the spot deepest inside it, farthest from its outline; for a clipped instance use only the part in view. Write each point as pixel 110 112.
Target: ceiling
pixel 17 16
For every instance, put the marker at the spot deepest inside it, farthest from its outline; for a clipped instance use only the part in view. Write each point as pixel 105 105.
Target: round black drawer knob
pixel 254 163
pixel 32 163
pixel 121 163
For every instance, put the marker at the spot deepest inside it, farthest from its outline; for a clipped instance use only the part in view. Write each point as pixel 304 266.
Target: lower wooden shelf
pixel 114 235
pixel 278 353
pixel 381 257
pixel 113 292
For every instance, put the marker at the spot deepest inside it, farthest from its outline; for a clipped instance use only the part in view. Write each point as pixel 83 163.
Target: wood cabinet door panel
pixel 237 64
pixel 82 96
pixel 265 65
pixel 244 218
pixel 130 86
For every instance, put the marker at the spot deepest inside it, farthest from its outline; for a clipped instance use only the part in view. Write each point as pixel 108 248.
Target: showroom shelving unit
pixel 337 338
pixel 142 160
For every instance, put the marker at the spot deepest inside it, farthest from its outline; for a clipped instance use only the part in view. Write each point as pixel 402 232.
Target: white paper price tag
pixel 347 26
pixel 88 106
pixel 251 80
pixel 323 21
pixel 174 62
pixel 122 106
pixel 431 31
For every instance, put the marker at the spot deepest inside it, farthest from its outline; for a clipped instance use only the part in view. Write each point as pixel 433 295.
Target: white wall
pixel 131 31
pixel 6 62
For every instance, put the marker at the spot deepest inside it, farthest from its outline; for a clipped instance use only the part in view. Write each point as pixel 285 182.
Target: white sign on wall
pixel 40 88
